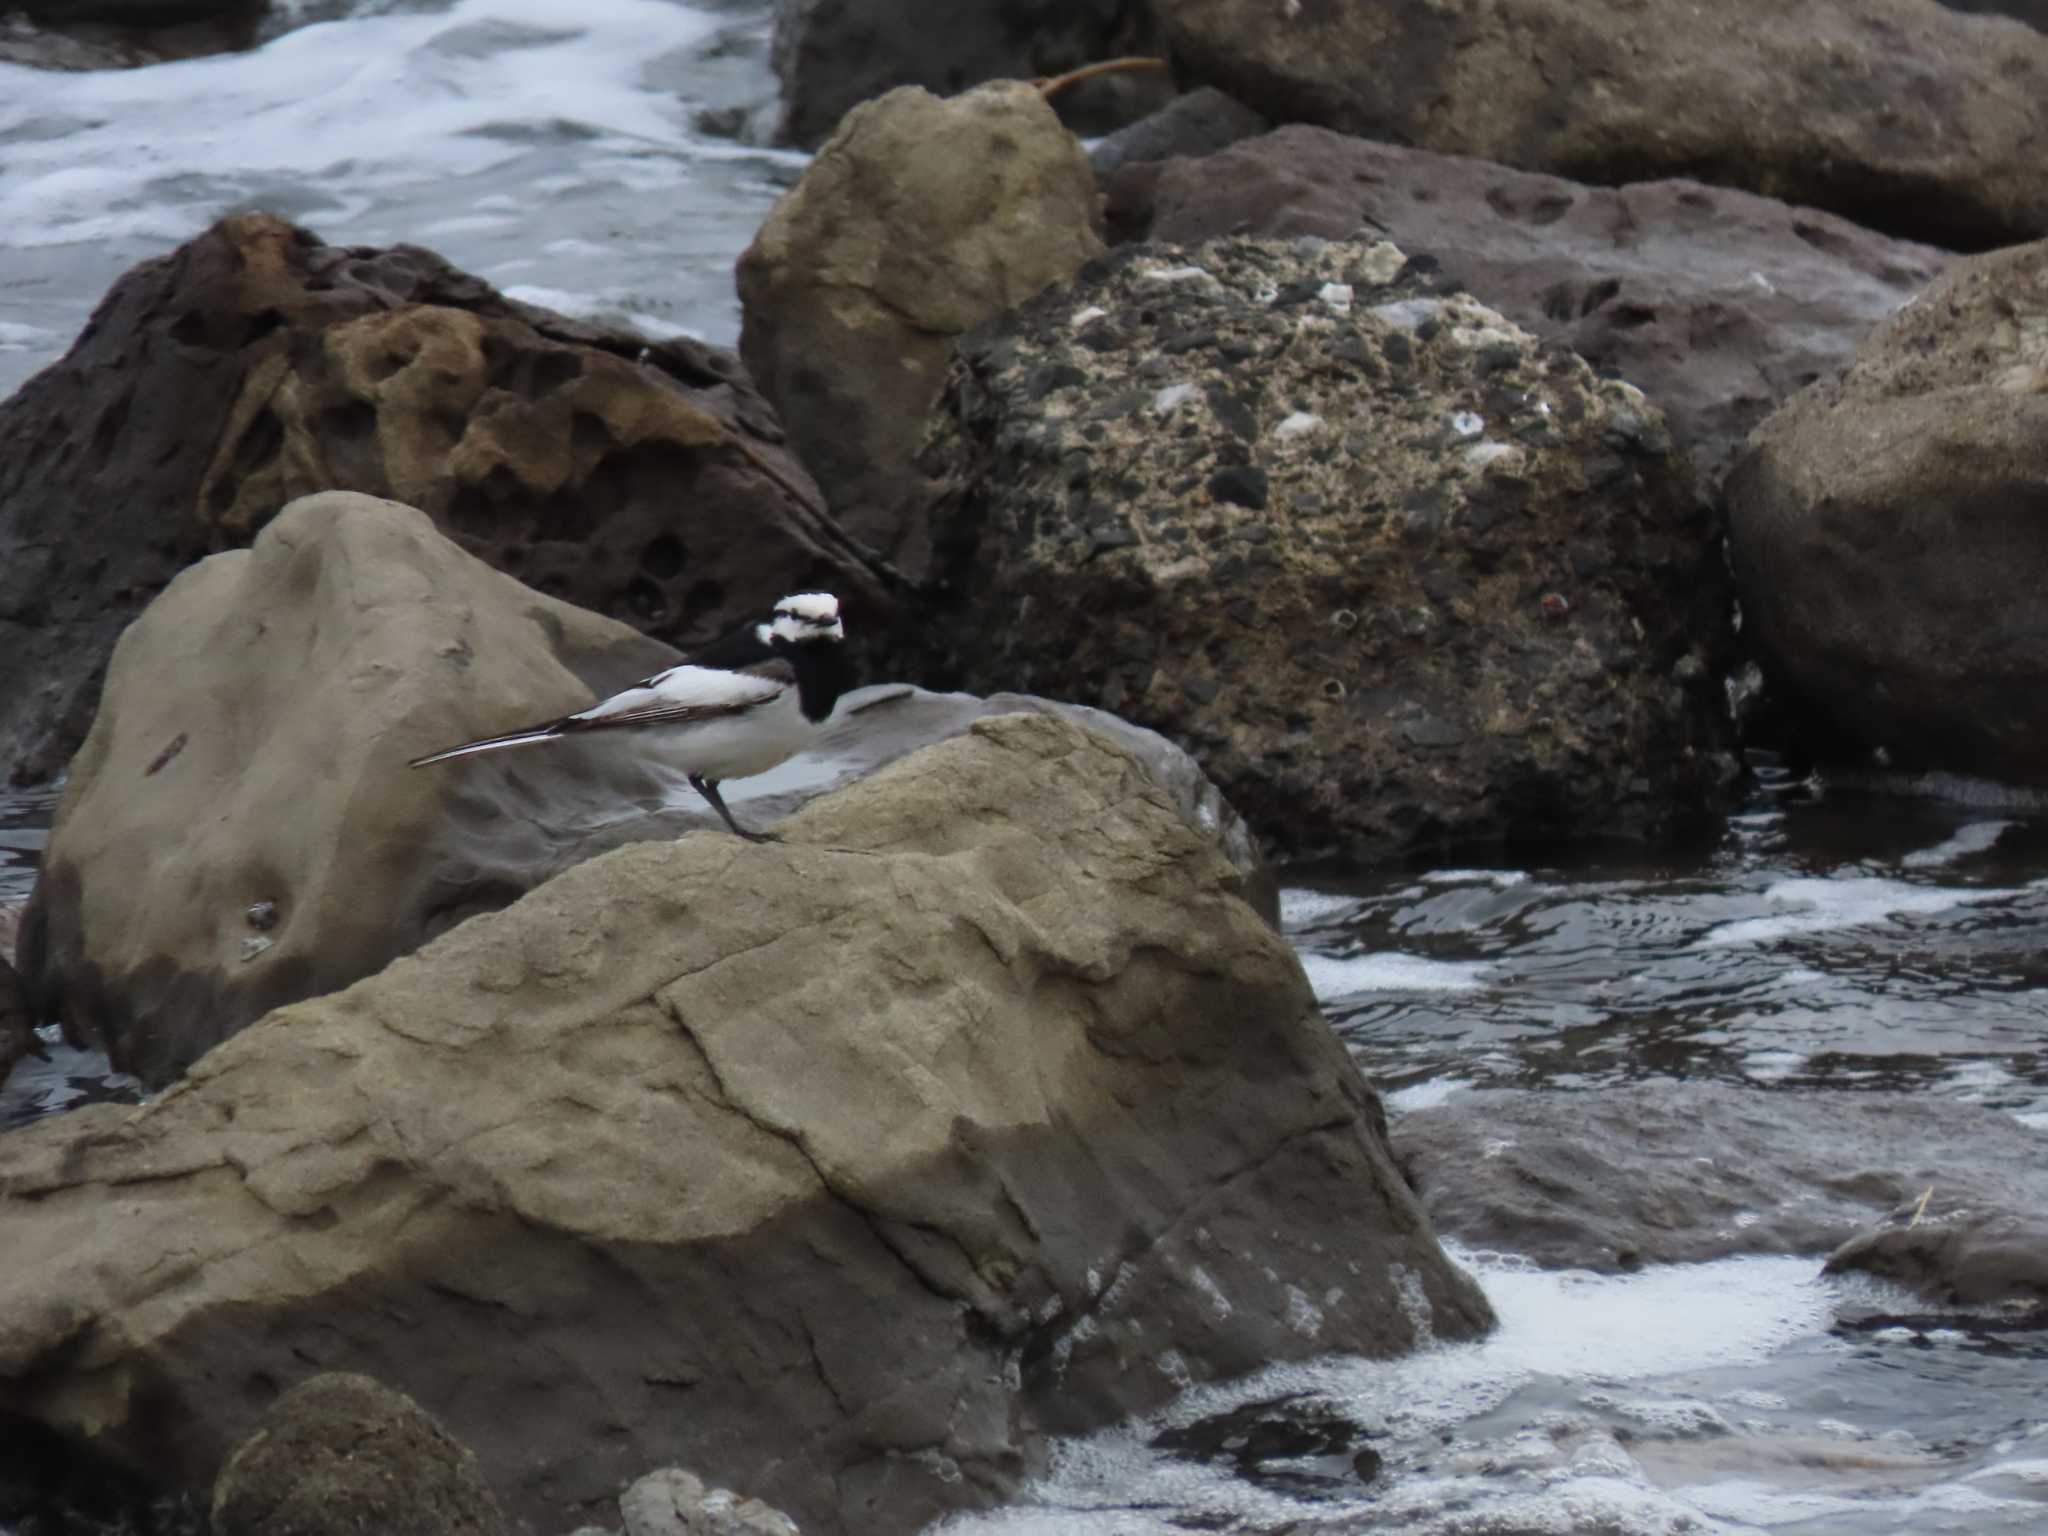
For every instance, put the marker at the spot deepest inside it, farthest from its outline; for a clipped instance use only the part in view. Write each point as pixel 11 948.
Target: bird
pixel 739 707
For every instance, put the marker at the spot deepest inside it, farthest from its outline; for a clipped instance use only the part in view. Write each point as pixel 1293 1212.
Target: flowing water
pixel 1839 942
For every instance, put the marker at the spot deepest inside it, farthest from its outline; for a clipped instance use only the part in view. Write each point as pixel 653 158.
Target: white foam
pixel 1424 1095
pixel 1822 906
pixel 1301 908
pixel 1335 976
pixel 1977 837
pixel 1500 879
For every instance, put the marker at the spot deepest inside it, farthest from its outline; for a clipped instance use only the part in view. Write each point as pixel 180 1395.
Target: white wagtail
pixel 748 702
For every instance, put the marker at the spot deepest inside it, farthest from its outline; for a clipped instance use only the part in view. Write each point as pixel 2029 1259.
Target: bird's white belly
pixel 740 745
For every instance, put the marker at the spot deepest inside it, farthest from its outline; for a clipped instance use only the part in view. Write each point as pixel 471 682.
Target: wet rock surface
pixel 1397 573
pixel 987 1059
pixel 1915 120
pixel 340 1455
pixel 831 56
pixel 255 364
pixel 1889 534
pixel 255 733
pixel 1675 1173
pixel 1719 305
pixel 919 220
pixel 1967 1261
pixel 17 1019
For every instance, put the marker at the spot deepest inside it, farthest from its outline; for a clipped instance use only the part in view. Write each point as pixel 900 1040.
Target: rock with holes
pixel 1399 574
pixel 254 365
pixel 919 220
pixel 342 1455
pixel 1899 114
pixel 1718 305
pixel 842 1170
pixel 254 734
pixel 1889 534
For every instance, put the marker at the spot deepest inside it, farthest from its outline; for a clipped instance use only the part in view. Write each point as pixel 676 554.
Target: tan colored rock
pixel 1399 575
pixel 840 1170
pixel 256 364
pixel 1896 113
pixel 255 730
pixel 672 1502
pixel 918 220
pixel 1889 534
pixel 343 1455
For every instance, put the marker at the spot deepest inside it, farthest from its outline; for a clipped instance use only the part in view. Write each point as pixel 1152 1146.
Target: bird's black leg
pixel 708 788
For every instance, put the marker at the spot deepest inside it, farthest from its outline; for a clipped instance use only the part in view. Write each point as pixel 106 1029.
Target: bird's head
pixel 803 618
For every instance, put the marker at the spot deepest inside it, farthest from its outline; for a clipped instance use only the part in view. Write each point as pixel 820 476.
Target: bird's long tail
pixel 491 744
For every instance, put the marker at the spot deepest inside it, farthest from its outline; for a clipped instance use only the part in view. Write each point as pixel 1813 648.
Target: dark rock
pixel 2033 12
pixel 1678 1172
pixel 255 364
pixel 1198 123
pixel 1889 534
pixel 845 1171
pixel 1719 305
pixel 254 732
pixel 921 219
pixel 830 55
pixel 340 1455
pixel 1895 113
pixel 1446 496
pixel 1961 1261
pixel 17 1019
pixel 122 34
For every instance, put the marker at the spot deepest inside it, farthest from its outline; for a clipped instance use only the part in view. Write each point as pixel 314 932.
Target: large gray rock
pixel 1679 1172
pixel 841 1170
pixel 343 1455
pixel 1397 573
pixel 1718 305
pixel 919 220
pixel 832 55
pixel 1895 113
pixel 1971 1260
pixel 267 705
pixel 1889 534
pixel 255 364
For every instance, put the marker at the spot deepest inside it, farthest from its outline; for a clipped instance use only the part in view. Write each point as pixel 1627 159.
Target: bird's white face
pixel 802 617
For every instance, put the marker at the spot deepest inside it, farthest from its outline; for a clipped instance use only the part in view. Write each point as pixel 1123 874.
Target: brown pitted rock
pixel 1718 305
pixel 919 220
pixel 1896 113
pixel 841 1170
pixel 1971 1259
pixel 1682 1172
pixel 830 56
pixel 343 1455
pixel 1397 574
pixel 255 364
pixel 255 731
pixel 1889 533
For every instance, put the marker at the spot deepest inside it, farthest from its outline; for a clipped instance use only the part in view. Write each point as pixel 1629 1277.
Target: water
pixel 1833 941
pixel 550 149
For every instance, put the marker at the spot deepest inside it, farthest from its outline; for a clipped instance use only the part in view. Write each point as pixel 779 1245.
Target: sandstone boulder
pixel 830 56
pixel 1889 534
pixel 1718 305
pixel 840 1170
pixel 1895 113
pixel 1399 575
pixel 920 219
pixel 254 365
pixel 342 1455
pixel 254 735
